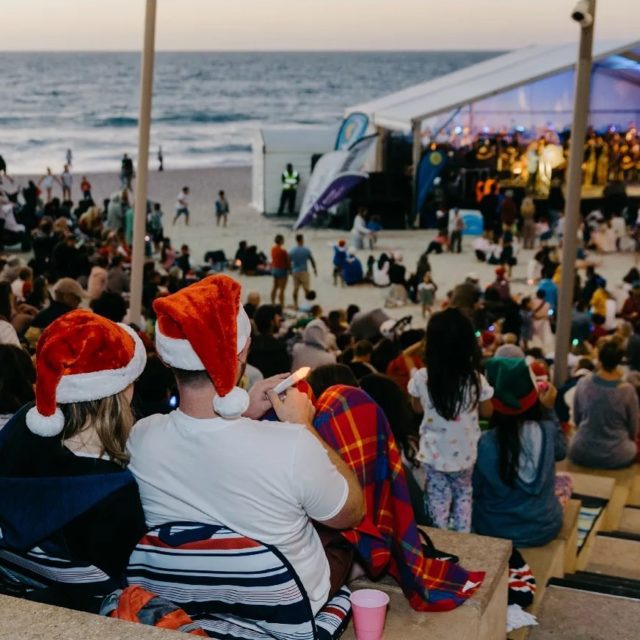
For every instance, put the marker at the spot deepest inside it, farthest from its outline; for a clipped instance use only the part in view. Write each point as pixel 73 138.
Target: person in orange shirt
pixel 279 270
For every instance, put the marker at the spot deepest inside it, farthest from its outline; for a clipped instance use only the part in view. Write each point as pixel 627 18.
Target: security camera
pixel 581 14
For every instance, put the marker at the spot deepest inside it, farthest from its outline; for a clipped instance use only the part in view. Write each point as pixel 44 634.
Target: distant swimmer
pixel 69 157
pixel 182 206
pixel 160 159
pixel 290 180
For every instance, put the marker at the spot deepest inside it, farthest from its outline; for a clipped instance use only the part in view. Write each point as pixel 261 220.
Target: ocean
pixel 207 107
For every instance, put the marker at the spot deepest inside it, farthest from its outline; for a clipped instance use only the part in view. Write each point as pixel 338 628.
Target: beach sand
pixel 245 223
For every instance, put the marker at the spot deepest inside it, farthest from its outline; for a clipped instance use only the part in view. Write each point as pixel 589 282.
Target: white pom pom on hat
pixel 204 327
pixel 81 356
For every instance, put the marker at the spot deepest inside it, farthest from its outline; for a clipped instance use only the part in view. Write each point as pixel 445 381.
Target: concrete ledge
pixel 624 480
pixel 483 617
pixel 24 620
pixel 569 535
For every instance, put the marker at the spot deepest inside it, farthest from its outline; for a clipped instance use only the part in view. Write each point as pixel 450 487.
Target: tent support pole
pixel 144 126
pixel 574 192
pixel 380 146
pixel 416 131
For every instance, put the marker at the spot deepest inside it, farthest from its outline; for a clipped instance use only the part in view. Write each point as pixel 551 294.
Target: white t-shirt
pixel 265 480
pixel 447 445
pixel 8 334
pixel 182 200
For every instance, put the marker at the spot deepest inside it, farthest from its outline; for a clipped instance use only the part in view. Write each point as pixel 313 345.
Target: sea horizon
pixel 207 106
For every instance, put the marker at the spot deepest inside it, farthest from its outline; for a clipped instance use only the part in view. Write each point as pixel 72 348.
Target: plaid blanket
pixel 387 540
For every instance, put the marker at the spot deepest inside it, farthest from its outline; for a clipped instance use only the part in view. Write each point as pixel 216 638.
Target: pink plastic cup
pixel 369 608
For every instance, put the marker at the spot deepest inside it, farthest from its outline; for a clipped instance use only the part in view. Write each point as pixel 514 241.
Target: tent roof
pixel 312 139
pixel 491 77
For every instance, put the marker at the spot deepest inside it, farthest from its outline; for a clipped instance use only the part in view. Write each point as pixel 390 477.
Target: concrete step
pixel 624 482
pixel 570 614
pixel 483 617
pixel 24 620
pixel 613 555
pixel 630 520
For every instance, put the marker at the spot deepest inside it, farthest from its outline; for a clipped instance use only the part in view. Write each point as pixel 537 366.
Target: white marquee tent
pixel 530 87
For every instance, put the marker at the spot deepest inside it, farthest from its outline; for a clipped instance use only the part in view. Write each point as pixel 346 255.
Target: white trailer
pixel 273 148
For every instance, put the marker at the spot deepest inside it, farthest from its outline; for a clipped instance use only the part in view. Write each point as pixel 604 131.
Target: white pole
pixel 574 191
pixel 144 125
pixel 416 155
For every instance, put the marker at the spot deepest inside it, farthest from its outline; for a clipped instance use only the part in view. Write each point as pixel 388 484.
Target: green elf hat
pixel 514 388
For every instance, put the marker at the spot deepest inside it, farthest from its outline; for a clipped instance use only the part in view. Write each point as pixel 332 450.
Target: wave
pixel 225 148
pixel 117 121
pixel 202 117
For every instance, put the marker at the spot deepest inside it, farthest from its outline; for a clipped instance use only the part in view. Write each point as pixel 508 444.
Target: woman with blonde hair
pixel 70 512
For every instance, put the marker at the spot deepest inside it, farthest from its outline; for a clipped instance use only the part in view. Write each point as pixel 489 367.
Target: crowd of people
pixel 159 423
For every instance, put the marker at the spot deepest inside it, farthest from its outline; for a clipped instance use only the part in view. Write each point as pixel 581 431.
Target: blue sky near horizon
pixel 278 25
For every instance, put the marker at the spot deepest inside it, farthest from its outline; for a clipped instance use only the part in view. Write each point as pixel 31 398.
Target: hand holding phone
pixel 292 380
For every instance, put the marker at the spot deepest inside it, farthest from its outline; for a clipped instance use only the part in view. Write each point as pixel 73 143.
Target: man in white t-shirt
pixel 182 206
pixel 213 461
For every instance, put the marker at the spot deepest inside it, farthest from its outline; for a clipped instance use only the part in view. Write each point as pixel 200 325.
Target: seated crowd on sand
pixel 111 431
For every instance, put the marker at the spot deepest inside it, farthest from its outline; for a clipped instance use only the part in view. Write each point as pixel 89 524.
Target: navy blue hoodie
pixel 84 510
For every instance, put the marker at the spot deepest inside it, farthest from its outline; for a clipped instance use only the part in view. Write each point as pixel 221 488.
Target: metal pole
pixel 416 131
pixel 144 125
pixel 574 191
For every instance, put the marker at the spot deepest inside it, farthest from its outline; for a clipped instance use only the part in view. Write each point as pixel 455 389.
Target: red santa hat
pixel 203 328
pixel 81 356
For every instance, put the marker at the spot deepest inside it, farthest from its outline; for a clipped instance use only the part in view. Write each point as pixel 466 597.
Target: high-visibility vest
pixel 290 180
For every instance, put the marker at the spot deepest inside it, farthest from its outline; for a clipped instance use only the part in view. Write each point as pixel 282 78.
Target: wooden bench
pixel 482 617
pixel 624 480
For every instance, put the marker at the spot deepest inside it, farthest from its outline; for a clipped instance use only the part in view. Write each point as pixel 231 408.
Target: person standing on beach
pixel 126 172
pixel 66 180
pixel 300 256
pixel 290 180
pixel 85 187
pixel 222 209
pixel 182 206
pixel 160 159
pixel 279 270
pixel 46 181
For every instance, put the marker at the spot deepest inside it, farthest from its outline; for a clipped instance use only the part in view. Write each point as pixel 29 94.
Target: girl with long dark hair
pixel 514 493
pixel 452 393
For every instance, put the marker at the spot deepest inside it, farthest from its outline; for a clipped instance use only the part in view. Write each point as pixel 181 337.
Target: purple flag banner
pixel 335 192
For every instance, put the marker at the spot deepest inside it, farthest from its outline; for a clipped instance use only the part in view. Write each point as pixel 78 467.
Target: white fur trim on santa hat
pixel 95 385
pixel 178 352
pixel 45 426
pixel 233 405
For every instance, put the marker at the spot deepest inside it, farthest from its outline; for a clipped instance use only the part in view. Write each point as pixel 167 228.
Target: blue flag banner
pixel 431 165
pixel 353 128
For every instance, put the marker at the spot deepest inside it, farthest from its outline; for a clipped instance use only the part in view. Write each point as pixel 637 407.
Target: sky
pixel 250 25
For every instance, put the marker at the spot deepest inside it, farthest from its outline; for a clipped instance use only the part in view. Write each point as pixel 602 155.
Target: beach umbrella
pixel 144 126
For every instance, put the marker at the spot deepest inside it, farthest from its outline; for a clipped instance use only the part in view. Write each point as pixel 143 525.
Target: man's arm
pixel 297 408
pixel 313 263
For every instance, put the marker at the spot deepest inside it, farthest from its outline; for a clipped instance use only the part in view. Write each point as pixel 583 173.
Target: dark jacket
pixel 527 513
pixel 77 510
